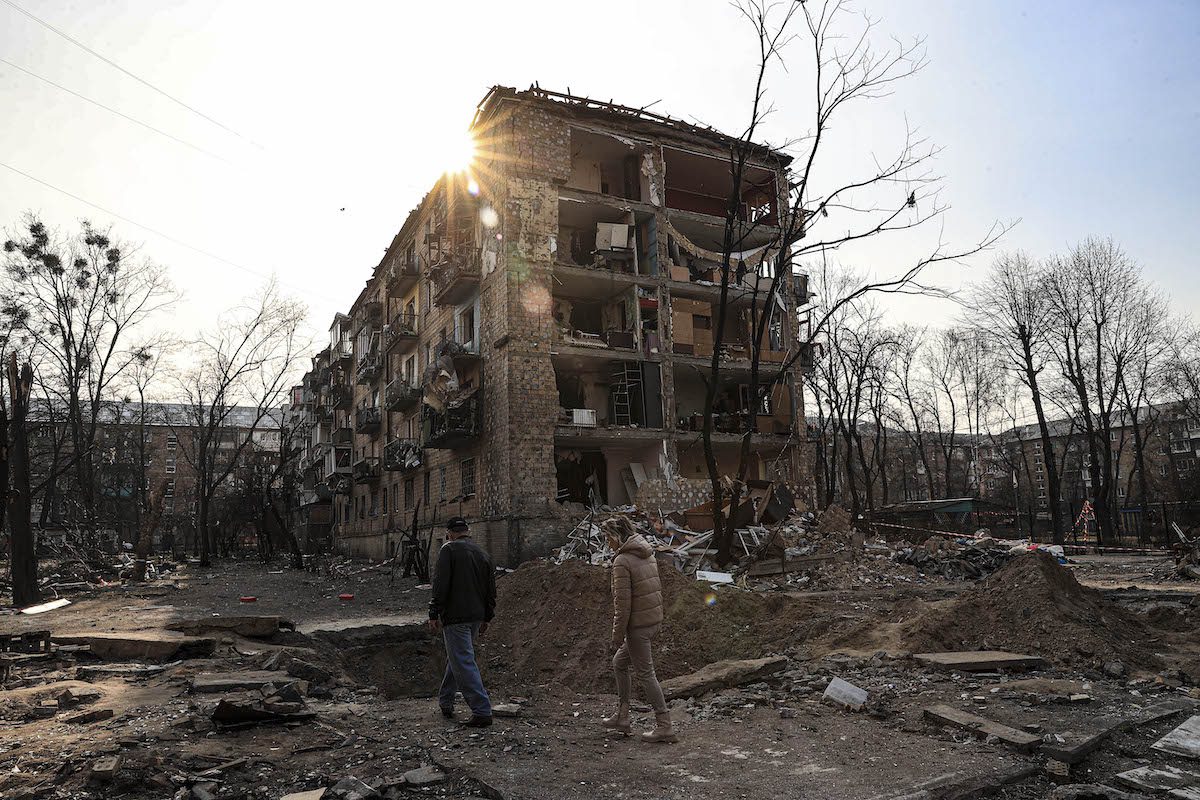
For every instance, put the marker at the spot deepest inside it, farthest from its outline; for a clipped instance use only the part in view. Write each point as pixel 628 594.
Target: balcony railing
pixel 367 469
pixel 457 277
pixel 402 328
pixel 339 396
pixel 402 455
pixel 367 419
pixel 402 275
pixel 369 367
pixel 401 394
pixel 343 350
pixel 455 426
pixel 343 436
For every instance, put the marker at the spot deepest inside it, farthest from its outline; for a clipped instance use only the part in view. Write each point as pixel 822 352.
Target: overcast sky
pixel 1079 118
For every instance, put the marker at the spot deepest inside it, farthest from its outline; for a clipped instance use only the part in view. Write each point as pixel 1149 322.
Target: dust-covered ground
pixel 367 713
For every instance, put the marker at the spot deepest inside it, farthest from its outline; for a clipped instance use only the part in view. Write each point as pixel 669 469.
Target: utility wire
pixel 117 66
pixel 156 232
pixel 114 111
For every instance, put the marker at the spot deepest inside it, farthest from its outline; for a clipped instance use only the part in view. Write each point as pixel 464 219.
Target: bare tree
pixel 241 374
pixel 894 195
pixel 79 298
pixel 1012 306
pixel 1094 292
pixel 24 563
pixel 911 392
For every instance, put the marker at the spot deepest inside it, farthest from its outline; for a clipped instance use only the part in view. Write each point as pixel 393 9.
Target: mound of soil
pixel 553 624
pixel 1030 605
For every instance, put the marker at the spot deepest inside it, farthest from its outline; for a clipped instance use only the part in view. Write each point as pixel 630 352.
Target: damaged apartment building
pixel 538 335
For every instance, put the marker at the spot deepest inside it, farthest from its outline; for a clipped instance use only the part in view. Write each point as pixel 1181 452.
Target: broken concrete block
pixel 981 660
pixel 70 698
pixel 315 794
pixel 252 627
pixel 723 675
pixel 506 710
pixel 353 789
pixel 105 769
pixel 309 672
pixel 229 713
pixel 214 682
pixel 91 716
pixel 144 646
pixel 291 692
pixel 1092 791
pixel 423 776
pixel 845 694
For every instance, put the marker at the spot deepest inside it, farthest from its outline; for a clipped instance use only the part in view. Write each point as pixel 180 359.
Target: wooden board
pixel 981 660
pixel 778 566
pixel 1159 779
pixel 1183 741
pixel 948 715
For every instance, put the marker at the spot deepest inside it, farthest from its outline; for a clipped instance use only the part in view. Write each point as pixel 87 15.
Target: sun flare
pixel 456 152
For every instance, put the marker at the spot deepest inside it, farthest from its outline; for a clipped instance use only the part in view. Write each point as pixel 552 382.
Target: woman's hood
pixel 638 546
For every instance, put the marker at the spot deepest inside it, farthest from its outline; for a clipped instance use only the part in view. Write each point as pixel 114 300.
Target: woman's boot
pixel 663 732
pixel 619 721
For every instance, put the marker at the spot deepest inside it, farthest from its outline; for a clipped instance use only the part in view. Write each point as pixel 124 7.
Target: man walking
pixel 463 603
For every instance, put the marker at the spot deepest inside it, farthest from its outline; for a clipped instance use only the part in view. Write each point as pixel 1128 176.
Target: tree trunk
pixel 24 545
pixel 1053 479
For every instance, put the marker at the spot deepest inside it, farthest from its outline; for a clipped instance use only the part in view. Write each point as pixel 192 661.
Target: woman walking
pixel 637 616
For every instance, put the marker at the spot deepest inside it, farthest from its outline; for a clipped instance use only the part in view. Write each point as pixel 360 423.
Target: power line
pixel 156 232
pixel 114 111
pixel 117 66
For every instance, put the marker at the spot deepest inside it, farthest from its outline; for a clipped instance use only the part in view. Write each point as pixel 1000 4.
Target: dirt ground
pixel 374 719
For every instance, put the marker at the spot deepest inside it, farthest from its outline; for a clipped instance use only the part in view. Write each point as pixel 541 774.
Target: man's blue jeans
pixel 462 673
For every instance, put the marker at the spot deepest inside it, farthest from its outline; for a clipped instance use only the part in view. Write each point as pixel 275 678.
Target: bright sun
pixel 456 151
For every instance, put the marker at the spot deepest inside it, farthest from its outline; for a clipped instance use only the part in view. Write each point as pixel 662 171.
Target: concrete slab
pixel 722 675
pixel 1183 741
pixel 143 646
pixel 982 727
pixel 1159 779
pixel 981 660
pixel 250 626
pixel 213 682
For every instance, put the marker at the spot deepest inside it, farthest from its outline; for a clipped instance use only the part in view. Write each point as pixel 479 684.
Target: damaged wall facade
pixel 534 336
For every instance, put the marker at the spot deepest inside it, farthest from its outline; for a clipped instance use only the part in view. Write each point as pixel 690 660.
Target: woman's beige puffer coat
pixel 636 588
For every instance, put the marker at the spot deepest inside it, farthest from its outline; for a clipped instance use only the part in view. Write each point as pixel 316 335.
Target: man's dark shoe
pixel 448 713
pixel 478 722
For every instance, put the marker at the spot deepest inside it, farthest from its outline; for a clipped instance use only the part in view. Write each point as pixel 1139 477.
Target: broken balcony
pixel 339 396
pixel 454 426
pixel 367 469
pixel 367 419
pixel 403 273
pixel 401 329
pixel 342 435
pixel 369 313
pixel 401 394
pixel 402 455
pixel 369 367
pixel 456 277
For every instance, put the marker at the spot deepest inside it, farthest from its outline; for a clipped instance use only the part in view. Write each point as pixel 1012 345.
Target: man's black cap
pixel 456 524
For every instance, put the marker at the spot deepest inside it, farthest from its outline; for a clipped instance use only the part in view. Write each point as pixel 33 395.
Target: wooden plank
pixel 981 660
pixel 948 715
pixel 1074 747
pixel 1159 779
pixel 1183 741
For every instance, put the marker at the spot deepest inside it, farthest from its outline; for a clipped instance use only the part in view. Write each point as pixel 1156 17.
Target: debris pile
pixel 556 619
pixel 1031 604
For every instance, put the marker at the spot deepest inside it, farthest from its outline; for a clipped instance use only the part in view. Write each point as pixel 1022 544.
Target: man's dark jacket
pixel 464 586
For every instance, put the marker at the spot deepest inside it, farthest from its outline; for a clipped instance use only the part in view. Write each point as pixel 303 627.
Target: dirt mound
pixel 1032 605
pixel 553 623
